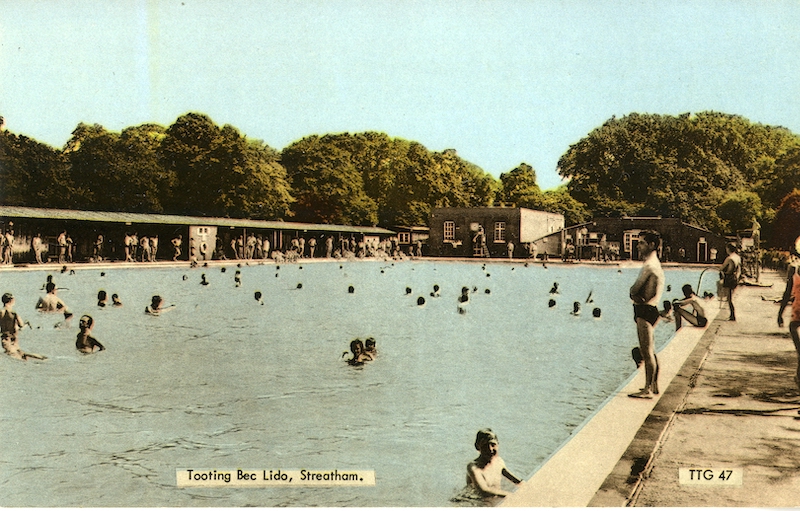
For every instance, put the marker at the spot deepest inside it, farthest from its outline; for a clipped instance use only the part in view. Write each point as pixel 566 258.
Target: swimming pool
pixel 225 382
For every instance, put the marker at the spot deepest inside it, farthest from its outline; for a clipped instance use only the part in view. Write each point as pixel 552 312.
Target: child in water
pixel 486 472
pixel 155 308
pixel 370 348
pixel 359 355
pixel 85 343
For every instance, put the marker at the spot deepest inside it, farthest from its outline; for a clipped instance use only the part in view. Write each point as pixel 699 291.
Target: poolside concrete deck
pixel 732 404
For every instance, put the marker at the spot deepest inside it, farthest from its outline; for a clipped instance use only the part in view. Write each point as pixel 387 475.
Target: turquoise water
pixel 224 382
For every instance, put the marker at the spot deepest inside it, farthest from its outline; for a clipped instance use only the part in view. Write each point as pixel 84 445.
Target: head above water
pixel 86 322
pixel 484 437
pixel 50 287
pixel 156 301
pixel 356 346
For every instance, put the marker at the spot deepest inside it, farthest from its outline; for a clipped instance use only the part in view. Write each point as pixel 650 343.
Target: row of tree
pixel 714 170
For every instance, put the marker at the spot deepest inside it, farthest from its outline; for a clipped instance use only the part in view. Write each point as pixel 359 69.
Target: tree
pixel 220 173
pixel 519 187
pixel 786 227
pixel 682 166
pixel 119 172
pixel 34 174
pixel 739 208
pixel 386 181
pixel 328 187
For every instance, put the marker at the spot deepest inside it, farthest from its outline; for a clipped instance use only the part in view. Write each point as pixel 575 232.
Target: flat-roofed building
pixel 487 231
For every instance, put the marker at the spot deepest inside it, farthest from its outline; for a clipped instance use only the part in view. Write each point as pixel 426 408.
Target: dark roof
pixel 150 218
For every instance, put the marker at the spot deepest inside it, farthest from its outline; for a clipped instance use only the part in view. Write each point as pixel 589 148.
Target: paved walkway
pixel 733 406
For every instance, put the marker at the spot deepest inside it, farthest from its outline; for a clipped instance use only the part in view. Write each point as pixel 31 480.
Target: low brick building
pixel 486 232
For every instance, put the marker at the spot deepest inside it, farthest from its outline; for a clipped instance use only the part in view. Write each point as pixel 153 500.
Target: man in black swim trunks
pixel 646 295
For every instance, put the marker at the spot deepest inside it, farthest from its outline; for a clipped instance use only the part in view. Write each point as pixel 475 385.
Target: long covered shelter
pixel 93 234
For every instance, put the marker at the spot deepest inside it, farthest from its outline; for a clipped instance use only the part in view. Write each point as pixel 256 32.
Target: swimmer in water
pixel 576 309
pixel 370 348
pixel 554 289
pixel 257 296
pixel 115 301
pixel 85 343
pixel 155 308
pixel 486 472
pixel 102 298
pixel 359 355
pixel 10 324
pixel 50 302
pixel 463 300
pixel 237 278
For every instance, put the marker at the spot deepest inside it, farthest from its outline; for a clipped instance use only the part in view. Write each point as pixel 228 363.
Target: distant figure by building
pixel 176 245
pixel 36 246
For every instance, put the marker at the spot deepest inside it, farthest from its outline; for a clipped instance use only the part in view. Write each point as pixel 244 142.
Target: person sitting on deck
pixel 698 315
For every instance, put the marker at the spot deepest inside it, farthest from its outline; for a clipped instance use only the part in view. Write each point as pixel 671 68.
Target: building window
pixel 449 231
pixel 630 238
pixel 499 232
pixel 404 237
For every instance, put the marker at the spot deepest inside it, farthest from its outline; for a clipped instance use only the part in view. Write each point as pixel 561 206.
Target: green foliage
pixel 739 208
pixel 786 227
pixel 220 173
pixel 33 174
pixel 119 172
pixel 519 187
pixel 684 166
pixel 371 178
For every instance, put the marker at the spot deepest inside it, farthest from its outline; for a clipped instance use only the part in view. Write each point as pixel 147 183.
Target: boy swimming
pixel 486 472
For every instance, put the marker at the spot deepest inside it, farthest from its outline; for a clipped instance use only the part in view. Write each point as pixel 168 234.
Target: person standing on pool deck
pixel 176 244
pixel 731 271
pixel 646 295
pixel 486 472
pixel 793 290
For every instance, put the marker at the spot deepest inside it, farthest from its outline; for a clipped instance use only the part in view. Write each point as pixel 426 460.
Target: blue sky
pixel 502 82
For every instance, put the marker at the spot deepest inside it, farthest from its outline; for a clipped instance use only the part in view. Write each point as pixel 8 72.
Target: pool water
pixel 224 382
